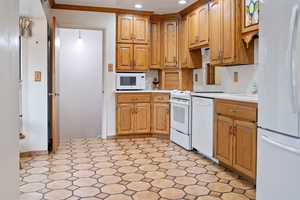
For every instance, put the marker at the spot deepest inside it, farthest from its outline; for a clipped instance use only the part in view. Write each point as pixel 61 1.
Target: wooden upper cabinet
pixel 198 27
pixel 141 57
pixel 193 28
pixel 203 25
pixel 141 29
pixel 224 139
pixel 125 118
pixel 244 147
pixel 190 59
pixel 184 49
pixel 125 28
pixel 226 45
pixel 161 118
pixel 170 44
pixel 229 30
pixel 215 31
pixel 124 57
pixel 142 118
pixel 155 45
pixel 133 29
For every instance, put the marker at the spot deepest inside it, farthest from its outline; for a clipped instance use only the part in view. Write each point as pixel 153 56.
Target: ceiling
pixel 157 6
pixel 31 8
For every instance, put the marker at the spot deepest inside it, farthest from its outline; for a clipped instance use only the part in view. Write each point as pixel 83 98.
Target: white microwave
pixel 131 81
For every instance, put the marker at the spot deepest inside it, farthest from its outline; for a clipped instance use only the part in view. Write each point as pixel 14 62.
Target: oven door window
pixel 128 81
pixel 180 117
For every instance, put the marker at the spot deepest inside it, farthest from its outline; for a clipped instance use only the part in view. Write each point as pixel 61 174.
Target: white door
pixel 279 66
pixel 202 125
pixel 278 166
pixel 80 83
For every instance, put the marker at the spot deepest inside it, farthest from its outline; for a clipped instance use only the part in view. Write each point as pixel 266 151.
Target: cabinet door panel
pixel 142 118
pixel 224 139
pixel 161 118
pixel 155 46
pixel 184 49
pixel 171 80
pixel 124 57
pixel 171 45
pixel 244 149
pixel 125 28
pixel 203 25
pixel 215 32
pixel 141 29
pixel 228 12
pixel 193 29
pixel 141 57
pixel 125 119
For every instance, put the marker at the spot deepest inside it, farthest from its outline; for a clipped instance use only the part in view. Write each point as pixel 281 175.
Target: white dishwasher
pixel 202 125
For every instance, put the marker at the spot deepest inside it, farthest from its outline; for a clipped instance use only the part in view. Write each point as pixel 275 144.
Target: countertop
pixel 228 96
pixel 141 91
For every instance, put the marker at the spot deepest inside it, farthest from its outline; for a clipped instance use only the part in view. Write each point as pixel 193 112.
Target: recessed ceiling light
pixel 182 1
pixel 138 6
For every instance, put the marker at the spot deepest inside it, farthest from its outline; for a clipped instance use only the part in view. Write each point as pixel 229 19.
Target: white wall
pixel 247 76
pixel 107 23
pixel 35 94
pixel 79 76
pixel 9 122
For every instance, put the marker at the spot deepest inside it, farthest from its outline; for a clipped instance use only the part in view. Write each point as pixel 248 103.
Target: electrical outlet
pixel 235 76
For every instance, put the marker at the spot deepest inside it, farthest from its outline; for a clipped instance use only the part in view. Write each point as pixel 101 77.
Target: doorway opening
pixel 79 81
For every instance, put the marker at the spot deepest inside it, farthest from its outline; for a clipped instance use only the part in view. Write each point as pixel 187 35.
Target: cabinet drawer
pixel 160 98
pixel 134 98
pixel 237 109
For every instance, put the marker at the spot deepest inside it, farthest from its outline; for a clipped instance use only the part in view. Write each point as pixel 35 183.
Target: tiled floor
pixel 128 169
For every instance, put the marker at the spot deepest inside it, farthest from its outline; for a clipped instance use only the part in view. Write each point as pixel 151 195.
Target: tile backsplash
pixel 150 77
pixel 246 76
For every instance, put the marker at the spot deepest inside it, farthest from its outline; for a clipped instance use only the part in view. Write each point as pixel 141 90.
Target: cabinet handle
pixel 234 130
pixel 231 130
pixel 233 111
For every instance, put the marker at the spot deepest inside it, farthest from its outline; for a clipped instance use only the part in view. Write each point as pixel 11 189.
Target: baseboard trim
pixel 33 153
pixel 129 136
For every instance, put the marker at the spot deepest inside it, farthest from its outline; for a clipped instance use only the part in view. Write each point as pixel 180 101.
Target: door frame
pixel 51 73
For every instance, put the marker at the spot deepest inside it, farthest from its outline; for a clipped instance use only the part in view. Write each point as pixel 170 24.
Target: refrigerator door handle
pixel 291 56
pixel 281 146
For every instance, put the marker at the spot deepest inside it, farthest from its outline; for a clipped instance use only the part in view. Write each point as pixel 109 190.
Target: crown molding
pixel 183 12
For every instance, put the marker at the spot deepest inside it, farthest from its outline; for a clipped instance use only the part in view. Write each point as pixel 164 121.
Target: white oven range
pixel 181 118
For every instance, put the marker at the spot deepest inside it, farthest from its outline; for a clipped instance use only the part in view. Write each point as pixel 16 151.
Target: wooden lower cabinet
pixel 143 113
pixel 244 146
pixel 224 139
pixel 161 118
pixel 142 118
pixel 125 118
pixel 236 136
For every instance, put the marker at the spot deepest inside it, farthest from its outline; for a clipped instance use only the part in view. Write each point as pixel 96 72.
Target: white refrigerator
pixel 278 168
